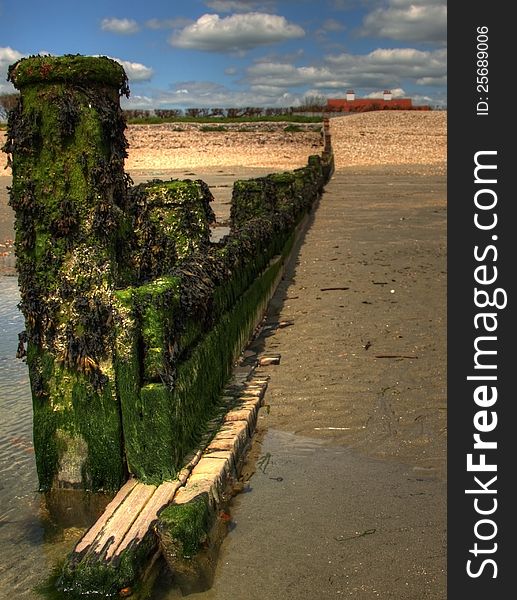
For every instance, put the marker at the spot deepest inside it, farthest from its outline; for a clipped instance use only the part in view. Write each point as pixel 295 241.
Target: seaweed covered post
pixel 66 146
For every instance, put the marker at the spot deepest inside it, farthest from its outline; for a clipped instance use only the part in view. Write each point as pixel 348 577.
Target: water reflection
pixel 36 530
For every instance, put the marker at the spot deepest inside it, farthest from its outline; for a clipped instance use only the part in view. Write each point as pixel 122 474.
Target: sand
pixel 391 138
pixel 355 430
pixel 173 146
pixel 388 138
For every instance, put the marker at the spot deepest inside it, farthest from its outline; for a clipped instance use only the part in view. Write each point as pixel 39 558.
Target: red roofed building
pixel 353 104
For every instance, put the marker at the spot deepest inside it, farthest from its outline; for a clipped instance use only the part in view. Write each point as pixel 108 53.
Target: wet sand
pixel 348 495
pixel 352 499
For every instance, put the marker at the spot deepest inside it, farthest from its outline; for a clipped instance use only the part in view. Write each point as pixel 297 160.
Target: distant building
pixel 387 102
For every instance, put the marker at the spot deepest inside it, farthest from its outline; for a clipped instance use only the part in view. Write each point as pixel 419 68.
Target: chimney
pixel 350 95
pixel 387 95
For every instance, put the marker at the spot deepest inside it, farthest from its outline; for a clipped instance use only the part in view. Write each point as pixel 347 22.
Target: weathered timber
pixel 88 539
pixel 117 550
pixel 133 317
pixel 66 145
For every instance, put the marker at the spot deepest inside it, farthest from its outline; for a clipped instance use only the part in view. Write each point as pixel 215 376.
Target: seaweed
pixel 183 527
pixel 132 317
pixel 70 68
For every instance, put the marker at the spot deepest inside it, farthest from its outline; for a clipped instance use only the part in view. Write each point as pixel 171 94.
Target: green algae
pixel 74 69
pixel 94 576
pixel 167 423
pixel 77 431
pixel 134 319
pixel 68 192
pixel 171 220
pixel 183 527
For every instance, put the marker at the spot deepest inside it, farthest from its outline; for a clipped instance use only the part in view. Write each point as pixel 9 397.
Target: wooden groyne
pixel 122 545
pixel 134 318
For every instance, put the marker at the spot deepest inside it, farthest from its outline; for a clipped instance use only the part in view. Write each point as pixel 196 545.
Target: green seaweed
pixel 71 68
pixel 95 576
pixel 183 527
pixel 171 220
pixel 68 194
pixel 163 422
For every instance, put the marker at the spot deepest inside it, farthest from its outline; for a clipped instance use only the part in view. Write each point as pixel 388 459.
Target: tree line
pixel 310 104
pixel 7 103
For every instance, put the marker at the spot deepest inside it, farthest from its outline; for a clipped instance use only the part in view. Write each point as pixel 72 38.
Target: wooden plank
pixel 251 390
pixel 247 403
pixel 162 496
pixel 213 469
pixel 92 533
pixel 112 535
pixel 231 429
pixel 243 414
pixel 193 489
pixel 193 460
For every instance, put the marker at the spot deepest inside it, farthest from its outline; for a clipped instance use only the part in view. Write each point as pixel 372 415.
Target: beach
pixel 244 150
pixel 345 487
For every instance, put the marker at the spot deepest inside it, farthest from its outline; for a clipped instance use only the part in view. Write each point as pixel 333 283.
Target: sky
pixel 238 53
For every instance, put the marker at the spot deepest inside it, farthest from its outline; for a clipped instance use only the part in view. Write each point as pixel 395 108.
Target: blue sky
pixel 233 53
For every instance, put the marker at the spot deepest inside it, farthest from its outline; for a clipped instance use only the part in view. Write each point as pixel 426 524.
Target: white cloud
pixel 268 90
pixel 8 56
pixel 236 33
pixel 436 101
pixel 283 75
pixel 381 68
pixel 438 81
pixel 135 71
pixel 176 23
pixel 230 71
pixel 392 64
pixel 198 88
pixel 408 20
pixel 120 26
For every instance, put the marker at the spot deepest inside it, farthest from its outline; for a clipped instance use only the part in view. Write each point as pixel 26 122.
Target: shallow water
pixel 21 530
pixel 35 531
pixel 326 522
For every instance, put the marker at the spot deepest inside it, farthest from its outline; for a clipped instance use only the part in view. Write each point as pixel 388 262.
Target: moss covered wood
pixel 67 147
pixel 183 527
pixel 191 325
pixel 133 318
pixel 169 221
